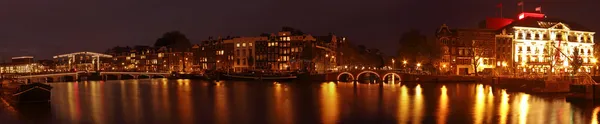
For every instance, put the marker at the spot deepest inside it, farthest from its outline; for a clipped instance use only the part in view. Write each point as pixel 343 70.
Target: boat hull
pixel 27 93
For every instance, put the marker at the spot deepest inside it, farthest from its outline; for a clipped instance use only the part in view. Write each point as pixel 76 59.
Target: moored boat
pixel 16 92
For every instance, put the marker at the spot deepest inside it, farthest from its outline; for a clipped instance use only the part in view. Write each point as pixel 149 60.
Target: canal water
pixel 164 101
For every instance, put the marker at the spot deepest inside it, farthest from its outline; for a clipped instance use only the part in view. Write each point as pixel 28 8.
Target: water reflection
pixel 283 105
pixel 221 102
pixel 479 103
pixel 404 103
pixel 97 102
pixel 523 108
pixel 503 107
pixel 329 103
pixel 418 109
pixel 443 106
pixel 186 101
pixel 595 115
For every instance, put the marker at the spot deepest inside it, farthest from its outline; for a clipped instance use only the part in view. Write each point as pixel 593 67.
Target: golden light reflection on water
pixel 503 107
pixel 479 104
pixel 443 106
pixel 489 106
pixel 403 105
pixel 418 108
pixel 523 108
pixel 73 101
pixel 221 103
pixel 329 103
pixel 595 115
pixel 165 100
pixel 185 103
pixel 283 105
pixel 137 101
pixel 97 102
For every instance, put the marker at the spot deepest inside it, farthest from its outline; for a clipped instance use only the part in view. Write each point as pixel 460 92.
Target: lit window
pixel 160 55
pixel 243 44
pixel 132 54
pixel 238 44
pixel 250 44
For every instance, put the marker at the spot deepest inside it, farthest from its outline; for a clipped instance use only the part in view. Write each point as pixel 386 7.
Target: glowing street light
pixel 393 64
pixel 418 64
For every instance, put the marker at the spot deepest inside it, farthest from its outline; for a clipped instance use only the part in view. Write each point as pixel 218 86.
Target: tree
pixel 551 56
pixel 292 30
pixel 412 44
pixel 265 34
pixel 477 52
pixel 576 62
pixel 175 40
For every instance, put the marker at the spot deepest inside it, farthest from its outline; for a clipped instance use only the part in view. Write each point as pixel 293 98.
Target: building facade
pixel 466 51
pixel 22 65
pixel 542 45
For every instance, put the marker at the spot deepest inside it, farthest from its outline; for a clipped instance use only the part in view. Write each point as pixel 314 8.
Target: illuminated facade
pixel 541 45
pixel 461 49
pixel 214 55
pixel 244 57
pixel 21 65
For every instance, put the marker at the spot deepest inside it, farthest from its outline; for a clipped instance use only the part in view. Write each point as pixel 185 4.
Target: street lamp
pixel 393 64
pixel 418 65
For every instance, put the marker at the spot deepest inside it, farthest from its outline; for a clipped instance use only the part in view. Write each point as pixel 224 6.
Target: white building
pixel 543 45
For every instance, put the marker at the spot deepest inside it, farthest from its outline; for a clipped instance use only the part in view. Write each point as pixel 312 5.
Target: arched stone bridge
pixel 355 75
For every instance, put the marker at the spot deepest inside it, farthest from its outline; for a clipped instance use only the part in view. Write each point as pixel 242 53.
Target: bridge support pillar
pixel 135 76
pixel 118 77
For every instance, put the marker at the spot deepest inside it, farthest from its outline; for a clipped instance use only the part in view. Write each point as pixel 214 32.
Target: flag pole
pixel 522 6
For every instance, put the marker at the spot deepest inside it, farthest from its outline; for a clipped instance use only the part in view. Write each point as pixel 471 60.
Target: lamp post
pixel 325 63
pixel 404 62
pixel 393 64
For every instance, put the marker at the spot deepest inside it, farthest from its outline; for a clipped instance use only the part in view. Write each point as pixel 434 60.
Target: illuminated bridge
pixel 388 76
pixel 75 76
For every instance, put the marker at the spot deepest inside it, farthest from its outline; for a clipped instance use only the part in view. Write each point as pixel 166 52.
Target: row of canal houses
pixel 282 51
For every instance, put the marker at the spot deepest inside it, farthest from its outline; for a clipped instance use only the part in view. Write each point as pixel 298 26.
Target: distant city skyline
pixel 46 28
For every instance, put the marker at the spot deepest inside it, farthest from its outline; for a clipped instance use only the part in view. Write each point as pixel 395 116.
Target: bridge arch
pixel 348 73
pixel 358 75
pixel 393 74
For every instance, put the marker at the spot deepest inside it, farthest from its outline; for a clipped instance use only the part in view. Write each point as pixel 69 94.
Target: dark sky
pixel 44 28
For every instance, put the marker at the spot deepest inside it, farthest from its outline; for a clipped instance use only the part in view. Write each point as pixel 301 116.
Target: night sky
pixel 44 28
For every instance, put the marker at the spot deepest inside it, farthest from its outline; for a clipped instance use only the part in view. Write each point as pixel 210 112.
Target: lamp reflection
pixel 221 103
pixel 595 115
pixel 282 103
pixel 479 104
pixel 418 105
pixel 523 108
pixel 404 103
pixel 489 106
pixel 443 106
pixel 329 103
pixel 503 107
pixel 73 99
pixel 185 104
pixel 97 103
